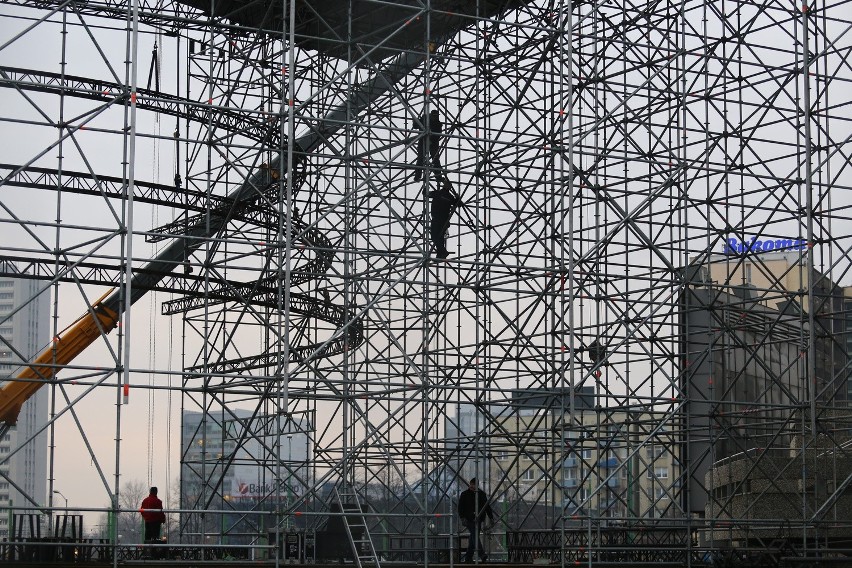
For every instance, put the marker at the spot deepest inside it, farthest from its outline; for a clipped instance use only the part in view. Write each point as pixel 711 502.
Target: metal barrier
pixel 409 548
pixel 182 552
pixel 56 549
pixel 600 544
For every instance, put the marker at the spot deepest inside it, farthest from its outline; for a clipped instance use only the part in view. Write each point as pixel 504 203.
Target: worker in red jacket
pixel 152 512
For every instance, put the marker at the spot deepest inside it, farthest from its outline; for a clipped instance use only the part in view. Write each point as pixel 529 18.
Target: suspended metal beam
pixel 256 125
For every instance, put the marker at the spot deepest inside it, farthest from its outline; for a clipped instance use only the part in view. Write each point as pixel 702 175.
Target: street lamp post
pixel 64 497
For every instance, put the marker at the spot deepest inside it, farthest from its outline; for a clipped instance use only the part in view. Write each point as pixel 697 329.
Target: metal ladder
pixel 355 522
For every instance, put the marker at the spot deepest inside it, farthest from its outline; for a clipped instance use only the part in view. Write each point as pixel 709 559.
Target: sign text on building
pixel 734 246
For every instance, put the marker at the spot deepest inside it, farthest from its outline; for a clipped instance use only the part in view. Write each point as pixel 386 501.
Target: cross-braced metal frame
pixel 638 343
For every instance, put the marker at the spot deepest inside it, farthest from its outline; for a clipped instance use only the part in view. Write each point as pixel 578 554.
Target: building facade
pixel 780 281
pixel 223 464
pixel 607 464
pixel 24 332
pixel 763 352
pixel 467 447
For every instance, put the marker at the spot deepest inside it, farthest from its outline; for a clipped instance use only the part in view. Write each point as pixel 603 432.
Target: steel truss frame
pixel 586 351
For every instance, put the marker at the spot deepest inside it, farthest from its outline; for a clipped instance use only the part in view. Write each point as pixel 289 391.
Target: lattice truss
pixel 605 154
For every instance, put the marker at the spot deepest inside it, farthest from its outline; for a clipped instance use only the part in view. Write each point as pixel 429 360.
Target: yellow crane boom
pixel 97 321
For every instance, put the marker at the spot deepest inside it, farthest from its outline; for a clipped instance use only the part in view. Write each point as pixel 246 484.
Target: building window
pixel 6 295
pixel 587 454
pixel 654 451
pixel 6 283
pixel 5 331
pixel 502 455
pixel 660 493
pixel 659 473
pixel 528 475
pixel 5 306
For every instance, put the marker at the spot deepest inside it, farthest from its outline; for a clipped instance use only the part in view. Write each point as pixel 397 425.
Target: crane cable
pixel 153 73
pixel 170 353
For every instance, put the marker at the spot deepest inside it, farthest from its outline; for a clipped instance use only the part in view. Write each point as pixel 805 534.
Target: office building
pixel 779 280
pixel 242 461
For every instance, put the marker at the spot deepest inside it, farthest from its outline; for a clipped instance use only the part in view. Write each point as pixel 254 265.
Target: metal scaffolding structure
pixel 639 343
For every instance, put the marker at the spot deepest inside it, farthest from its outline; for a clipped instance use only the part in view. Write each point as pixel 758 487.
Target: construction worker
pixel 445 201
pixel 431 142
pixel 473 508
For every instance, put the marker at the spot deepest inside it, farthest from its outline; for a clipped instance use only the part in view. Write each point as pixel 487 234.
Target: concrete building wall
pixel 781 281
pixel 743 379
pixel 774 276
pixel 764 495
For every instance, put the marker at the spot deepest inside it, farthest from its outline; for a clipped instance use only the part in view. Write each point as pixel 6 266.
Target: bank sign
pixel 241 488
pixel 756 244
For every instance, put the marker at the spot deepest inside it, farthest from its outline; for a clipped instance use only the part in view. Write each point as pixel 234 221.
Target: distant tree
pixel 128 522
pixel 171 530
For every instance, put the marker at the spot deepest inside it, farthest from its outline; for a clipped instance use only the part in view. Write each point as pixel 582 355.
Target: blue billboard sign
pixel 756 244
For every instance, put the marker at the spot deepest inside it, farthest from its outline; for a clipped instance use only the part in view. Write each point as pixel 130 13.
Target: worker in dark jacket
pixel 152 513
pixel 445 201
pixel 473 508
pixel 431 142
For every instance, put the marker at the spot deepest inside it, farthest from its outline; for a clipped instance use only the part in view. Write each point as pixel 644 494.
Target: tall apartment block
pixel 24 331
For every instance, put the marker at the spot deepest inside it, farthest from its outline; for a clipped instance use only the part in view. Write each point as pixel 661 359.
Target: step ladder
pixel 356 528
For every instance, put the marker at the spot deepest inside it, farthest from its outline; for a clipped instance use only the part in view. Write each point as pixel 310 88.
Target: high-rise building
pixel 24 332
pixel 780 281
